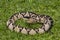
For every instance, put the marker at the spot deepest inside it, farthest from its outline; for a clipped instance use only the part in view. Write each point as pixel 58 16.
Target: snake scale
pixel 31 17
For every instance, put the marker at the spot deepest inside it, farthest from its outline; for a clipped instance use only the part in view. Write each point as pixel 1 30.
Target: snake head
pixel 31 20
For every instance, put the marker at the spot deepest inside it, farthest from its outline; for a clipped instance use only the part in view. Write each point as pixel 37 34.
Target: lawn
pixel 47 7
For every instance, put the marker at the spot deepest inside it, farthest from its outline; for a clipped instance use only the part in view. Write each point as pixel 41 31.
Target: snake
pixel 30 17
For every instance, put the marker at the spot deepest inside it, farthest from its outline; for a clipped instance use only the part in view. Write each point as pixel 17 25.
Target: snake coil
pixel 31 17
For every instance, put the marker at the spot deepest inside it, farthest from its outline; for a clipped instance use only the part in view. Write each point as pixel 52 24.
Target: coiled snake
pixel 31 17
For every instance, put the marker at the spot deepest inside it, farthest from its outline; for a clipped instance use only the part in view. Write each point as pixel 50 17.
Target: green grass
pixel 47 7
pixel 23 23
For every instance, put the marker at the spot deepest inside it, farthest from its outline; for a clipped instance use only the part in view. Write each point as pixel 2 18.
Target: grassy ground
pixel 47 7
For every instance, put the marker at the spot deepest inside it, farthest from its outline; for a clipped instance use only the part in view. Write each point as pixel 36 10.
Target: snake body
pixel 31 17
